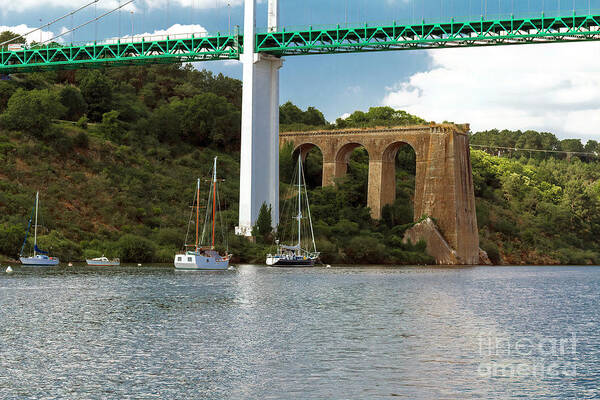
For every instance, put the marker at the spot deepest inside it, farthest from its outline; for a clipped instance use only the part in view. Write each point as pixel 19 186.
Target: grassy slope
pixel 102 191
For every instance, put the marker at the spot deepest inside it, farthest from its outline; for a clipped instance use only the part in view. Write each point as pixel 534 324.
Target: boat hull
pixel 283 262
pixel 102 263
pixel 199 262
pixel 39 262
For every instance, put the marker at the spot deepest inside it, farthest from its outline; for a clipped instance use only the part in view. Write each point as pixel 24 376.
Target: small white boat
pixel 203 257
pixel 103 262
pixel 39 258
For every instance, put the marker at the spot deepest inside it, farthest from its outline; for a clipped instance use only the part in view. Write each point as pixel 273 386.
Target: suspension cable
pixel 49 23
pixel 88 22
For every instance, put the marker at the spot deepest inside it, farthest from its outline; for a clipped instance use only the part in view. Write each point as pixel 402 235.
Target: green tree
pixel 8 35
pixel 592 146
pixel 264 222
pixel 290 114
pixel 133 248
pixel 381 113
pixel 113 128
pixel 571 145
pixel 97 90
pixel 32 111
pixel 314 117
pixel 73 100
pixel 11 237
pixel 165 122
pixel 286 162
pixel 208 118
pixel 7 89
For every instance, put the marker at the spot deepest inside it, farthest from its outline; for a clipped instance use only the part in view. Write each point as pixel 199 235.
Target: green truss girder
pixel 338 39
pixel 100 55
pixel 366 38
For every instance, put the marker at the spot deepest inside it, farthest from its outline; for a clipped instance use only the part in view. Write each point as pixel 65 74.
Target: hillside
pixel 115 155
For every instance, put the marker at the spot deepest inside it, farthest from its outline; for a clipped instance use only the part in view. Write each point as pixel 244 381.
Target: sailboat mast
pixel 214 201
pixel 299 196
pixel 197 211
pixel 37 198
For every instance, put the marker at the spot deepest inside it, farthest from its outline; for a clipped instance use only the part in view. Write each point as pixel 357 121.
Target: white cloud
pixel 176 29
pixel 174 32
pixel 544 87
pixel 23 29
pixel 231 63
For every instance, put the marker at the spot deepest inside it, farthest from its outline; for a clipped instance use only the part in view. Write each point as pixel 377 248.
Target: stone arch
pixel 390 152
pixel 342 157
pixel 303 149
pixel 382 190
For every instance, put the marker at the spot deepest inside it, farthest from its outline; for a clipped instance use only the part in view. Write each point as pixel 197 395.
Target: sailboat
pixel 294 255
pixel 39 258
pixel 204 257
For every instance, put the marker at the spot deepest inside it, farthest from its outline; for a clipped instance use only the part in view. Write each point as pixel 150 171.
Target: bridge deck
pixel 309 40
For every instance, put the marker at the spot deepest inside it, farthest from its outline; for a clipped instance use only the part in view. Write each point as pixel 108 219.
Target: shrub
pixel 112 127
pixel 491 249
pixel 32 111
pixel 83 122
pixel 134 248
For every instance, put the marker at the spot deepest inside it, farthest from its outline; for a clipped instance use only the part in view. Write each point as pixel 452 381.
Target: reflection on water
pixel 257 332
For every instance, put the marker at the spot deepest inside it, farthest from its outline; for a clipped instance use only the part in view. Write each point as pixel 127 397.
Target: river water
pixel 342 332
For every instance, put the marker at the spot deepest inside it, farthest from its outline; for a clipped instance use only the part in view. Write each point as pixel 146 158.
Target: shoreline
pixel 6 261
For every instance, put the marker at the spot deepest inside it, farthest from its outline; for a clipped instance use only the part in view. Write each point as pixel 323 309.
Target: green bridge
pixel 307 40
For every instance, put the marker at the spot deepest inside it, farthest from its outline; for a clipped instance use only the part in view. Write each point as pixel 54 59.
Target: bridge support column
pixel 332 169
pixel 444 191
pixel 381 186
pixel 259 160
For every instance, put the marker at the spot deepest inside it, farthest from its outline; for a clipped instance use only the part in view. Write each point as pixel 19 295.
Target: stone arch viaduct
pixel 443 184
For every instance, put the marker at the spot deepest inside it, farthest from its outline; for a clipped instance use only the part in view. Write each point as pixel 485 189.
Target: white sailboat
pixel 39 258
pixel 295 255
pixel 204 257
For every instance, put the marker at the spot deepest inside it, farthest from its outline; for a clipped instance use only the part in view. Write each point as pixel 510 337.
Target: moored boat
pixel 295 255
pixel 103 262
pixel 206 257
pixel 39 258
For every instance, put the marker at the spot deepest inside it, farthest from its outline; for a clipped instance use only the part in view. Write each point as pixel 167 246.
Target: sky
pixel 552 87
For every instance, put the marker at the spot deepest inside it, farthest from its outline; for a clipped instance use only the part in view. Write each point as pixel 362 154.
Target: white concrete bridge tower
pixel 259 164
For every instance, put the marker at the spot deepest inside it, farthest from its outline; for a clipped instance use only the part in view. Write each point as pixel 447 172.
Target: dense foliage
pixel 537 206
pixel 512 143
pixel 115 155
pixel 293 118
pixel 537 210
